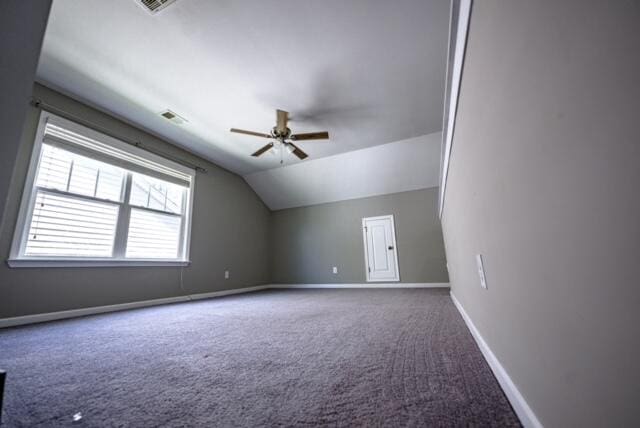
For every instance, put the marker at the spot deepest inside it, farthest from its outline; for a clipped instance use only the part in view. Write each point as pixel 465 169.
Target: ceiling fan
pixel 283 137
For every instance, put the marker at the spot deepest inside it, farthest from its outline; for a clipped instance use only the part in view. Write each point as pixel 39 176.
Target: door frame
pixel 366 251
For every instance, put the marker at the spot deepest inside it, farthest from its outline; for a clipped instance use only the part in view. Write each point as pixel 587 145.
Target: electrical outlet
pixel 335 269
pixel 226 274
pixel 481 274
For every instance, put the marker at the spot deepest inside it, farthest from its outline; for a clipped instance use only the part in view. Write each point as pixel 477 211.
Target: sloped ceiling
pixel 388 168
pixel 368 71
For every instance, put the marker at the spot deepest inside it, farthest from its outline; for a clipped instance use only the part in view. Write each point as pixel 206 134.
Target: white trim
pixel 188 217
pixel 367 270
pixel 73 313
pixel 25 213
pixel 27 199
pixel 456 81
pixel 367 285
pixel 522 409
pixel 65 263
pixel 223 293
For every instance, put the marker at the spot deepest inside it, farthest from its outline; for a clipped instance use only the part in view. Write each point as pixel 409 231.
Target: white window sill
pixel 53 263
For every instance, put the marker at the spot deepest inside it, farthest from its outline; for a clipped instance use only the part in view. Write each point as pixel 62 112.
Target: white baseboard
pixel 520 406
pixel 222 293
pixel 52 316
pixel 367 285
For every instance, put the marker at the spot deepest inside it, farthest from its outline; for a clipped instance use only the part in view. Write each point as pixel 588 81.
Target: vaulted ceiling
pixel 368 71
pixel 388 168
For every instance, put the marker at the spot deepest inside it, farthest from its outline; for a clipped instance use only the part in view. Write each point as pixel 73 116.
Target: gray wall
pixel 230 231
pixel 307 242
pixel 544 182
pixel 22 26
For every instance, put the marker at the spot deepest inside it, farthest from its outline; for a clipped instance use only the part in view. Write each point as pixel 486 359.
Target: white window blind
pixel 92 197
pixel 153 235
pixel 66 171
pixel 69 226
pixel 149 192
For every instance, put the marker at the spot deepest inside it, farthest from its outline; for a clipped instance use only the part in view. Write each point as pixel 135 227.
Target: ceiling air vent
pixel 154 6
pixel 174 117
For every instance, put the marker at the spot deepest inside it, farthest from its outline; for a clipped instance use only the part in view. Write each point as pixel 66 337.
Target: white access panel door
pixel 381 255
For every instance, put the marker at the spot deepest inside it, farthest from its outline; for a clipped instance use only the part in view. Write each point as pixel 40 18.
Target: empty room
pixel 255 213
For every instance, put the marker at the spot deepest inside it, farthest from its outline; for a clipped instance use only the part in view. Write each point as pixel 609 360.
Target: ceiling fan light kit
pixel 283 138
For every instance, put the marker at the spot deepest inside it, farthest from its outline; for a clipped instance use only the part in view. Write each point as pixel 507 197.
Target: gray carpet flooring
pixel 362 357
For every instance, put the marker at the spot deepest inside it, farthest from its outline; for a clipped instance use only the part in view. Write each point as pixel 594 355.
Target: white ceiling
pixel 388 168
pixel 368 71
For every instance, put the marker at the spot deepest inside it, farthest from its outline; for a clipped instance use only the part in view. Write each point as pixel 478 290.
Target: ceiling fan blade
pixel 255 134
pixel 310 136
pixel 282 118
pixel 296 151
pixel 262 150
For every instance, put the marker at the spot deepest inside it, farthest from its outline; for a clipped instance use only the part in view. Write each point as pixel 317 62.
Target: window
pixel 93 200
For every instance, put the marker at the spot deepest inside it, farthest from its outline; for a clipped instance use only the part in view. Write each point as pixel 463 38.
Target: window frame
pixel 17 258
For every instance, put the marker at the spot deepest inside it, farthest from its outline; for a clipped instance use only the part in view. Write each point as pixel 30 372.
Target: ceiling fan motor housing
pixel 280 135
